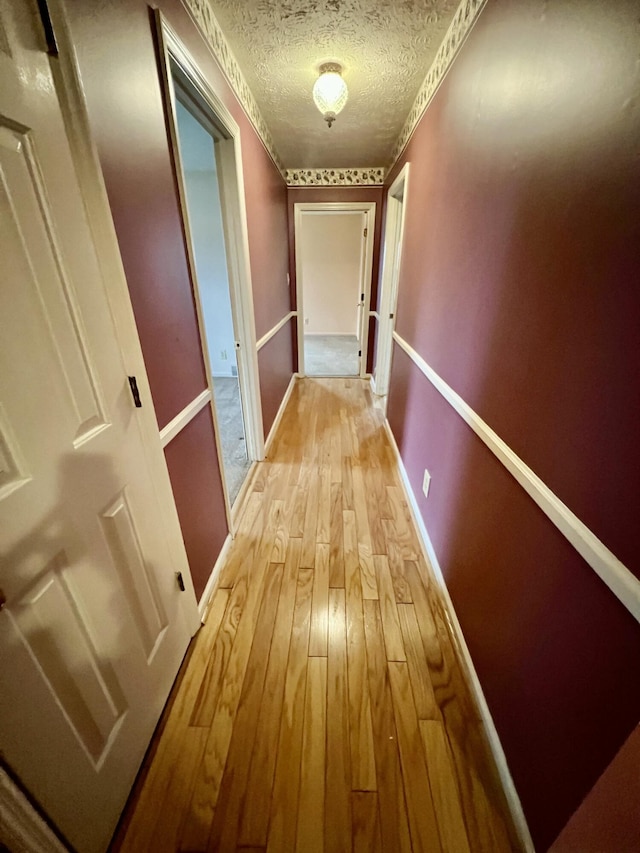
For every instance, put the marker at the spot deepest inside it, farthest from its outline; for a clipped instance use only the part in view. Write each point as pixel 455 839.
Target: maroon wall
pixel 267 218
pixel 118 62
pixel 609 817
pixel 275 360
pixel 520 288
pixel 191 457
pixel 299 195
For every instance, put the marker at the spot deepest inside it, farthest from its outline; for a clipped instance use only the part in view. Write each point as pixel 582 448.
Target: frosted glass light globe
pixel 330 92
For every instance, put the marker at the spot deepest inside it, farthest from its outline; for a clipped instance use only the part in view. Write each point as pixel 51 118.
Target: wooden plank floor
pixel 322 706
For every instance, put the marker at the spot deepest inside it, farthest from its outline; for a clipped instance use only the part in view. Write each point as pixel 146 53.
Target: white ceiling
pixel 385 46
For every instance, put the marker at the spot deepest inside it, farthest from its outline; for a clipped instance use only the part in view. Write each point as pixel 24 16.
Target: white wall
pixel 332 246
pixel 205 218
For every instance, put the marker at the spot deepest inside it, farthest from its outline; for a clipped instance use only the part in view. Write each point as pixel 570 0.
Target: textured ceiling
pixel 385 47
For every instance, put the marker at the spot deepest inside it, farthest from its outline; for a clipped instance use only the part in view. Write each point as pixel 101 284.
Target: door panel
pixel 93 630
pixel 48 621
pixel 29 220
pixel 138 584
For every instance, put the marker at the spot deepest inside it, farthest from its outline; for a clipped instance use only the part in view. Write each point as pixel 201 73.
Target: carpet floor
pixel 226 392
pixel 331 355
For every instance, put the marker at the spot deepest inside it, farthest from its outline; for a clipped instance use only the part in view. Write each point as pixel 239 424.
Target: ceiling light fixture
pixel 330 91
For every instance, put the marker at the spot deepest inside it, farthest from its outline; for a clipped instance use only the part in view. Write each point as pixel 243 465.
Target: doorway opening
pixel 206 145
pixel 334 250
pixel 197 142
pixel 391 260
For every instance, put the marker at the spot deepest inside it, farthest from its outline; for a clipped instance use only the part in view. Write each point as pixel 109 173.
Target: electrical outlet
pixel 426 480
pixel 223 355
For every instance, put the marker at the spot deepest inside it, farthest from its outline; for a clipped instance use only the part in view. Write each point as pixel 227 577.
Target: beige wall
pixel 331 249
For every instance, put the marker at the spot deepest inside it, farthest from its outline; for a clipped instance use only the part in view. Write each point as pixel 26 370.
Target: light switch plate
pixel 426 480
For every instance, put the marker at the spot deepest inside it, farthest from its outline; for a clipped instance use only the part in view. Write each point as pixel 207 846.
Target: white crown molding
pixel 620 580
pixel 373 177
pixel 204 17
pixel 461 25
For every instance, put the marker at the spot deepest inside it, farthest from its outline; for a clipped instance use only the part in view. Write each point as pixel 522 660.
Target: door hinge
pixel 362 297
pixel 366 231
pixel 137 402
pixel 359 353
pixel 47 25
pixel 180 581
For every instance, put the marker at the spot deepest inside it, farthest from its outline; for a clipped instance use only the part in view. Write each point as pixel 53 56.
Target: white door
pixel 92 630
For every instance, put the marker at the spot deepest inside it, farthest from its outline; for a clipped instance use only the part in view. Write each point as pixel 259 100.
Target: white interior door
pixel 92 631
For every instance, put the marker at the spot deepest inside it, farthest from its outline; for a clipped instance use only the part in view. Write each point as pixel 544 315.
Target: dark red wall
pixel 609 818
pixel 299 195
pixel 117 55
pixel 274 360
pixel 267 220
pixel 192 461
pixel 520 287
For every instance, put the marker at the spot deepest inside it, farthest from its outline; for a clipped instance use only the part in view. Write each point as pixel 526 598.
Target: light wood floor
pixel 322 706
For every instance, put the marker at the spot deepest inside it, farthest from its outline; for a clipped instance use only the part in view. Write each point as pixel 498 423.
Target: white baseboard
pixel 239 503
pixel 213 577
pixel 278 417
pixel 513 800
pixel 209 589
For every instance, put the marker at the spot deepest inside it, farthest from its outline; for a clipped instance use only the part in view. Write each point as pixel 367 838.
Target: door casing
pixel 176 60
pixel 391 266
pixel 368 208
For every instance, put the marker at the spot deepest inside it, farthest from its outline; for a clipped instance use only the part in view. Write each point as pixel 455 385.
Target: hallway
pixel 322 706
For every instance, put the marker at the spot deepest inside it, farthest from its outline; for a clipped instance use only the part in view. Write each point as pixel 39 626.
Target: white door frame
pixel 391 265
pixel 311 208
pixel 234 216
pixel 21 826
